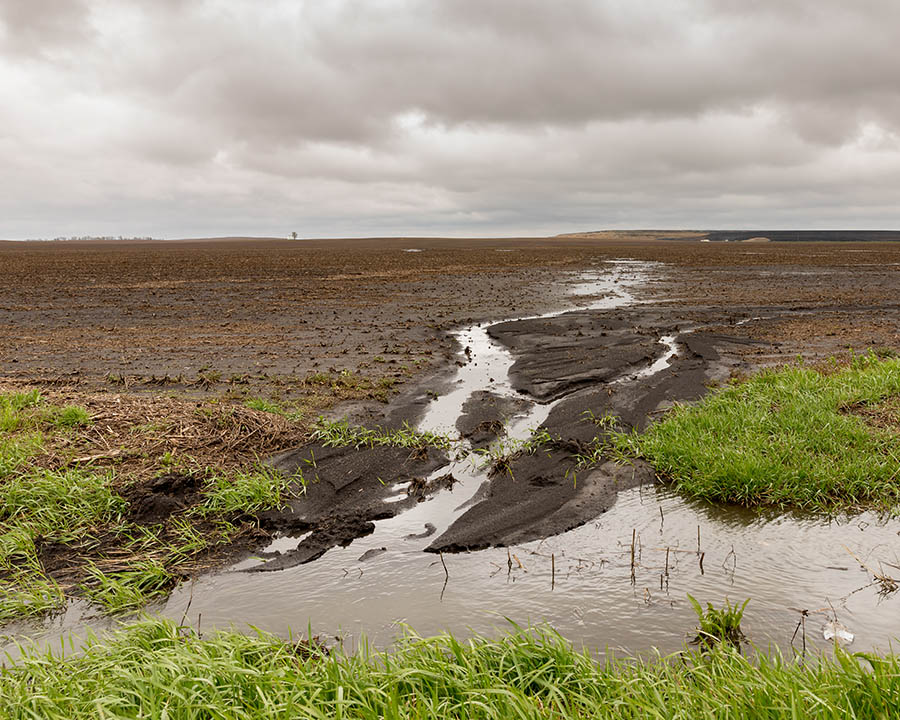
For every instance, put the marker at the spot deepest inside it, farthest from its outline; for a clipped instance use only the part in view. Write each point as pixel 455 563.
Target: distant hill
pixel 741 235
pixel 804 235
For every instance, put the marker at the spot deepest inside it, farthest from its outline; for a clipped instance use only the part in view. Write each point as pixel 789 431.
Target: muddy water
pixel 582 582
pixel 783 564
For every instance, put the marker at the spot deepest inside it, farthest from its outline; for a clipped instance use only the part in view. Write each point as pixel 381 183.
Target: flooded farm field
pixel 605 554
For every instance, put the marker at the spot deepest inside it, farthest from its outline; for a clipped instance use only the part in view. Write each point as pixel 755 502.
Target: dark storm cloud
pixel 465 115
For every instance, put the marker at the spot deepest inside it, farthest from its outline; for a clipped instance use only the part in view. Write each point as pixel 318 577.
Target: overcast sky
pixel 178 118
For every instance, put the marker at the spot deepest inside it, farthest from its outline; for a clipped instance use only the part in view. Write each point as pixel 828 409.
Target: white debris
pixel 833 629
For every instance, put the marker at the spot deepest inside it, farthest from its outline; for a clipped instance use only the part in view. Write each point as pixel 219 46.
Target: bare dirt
pixel 284 319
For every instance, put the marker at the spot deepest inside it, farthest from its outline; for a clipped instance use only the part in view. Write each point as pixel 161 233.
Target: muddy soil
pixel 236 319
pixel 345 490
pixel 593 363
pixel 251 317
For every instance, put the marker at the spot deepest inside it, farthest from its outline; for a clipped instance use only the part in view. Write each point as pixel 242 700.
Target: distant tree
pixel 294 235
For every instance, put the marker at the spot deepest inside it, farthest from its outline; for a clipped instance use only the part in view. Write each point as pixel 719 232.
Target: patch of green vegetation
pixel 16 450
pixel 263 405
pixel 25 591
pixel 719 625
pixel 27 411
pixel 340 433
pixel 784 438
pixel 500 453
pixel 127 589
pixel 248 491
pixel 293 411
pixel 13 407
pixel 57 504
pixel 70 416
pixel 29 595
pixel 159 669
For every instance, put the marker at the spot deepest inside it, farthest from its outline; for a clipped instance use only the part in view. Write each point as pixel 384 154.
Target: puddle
pixel 581 582
pixel 784 564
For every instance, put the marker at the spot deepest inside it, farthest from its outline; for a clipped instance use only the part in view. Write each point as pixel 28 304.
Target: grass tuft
pixel 719 625
pixel 128 589
pixel 248 491
pixel 340 433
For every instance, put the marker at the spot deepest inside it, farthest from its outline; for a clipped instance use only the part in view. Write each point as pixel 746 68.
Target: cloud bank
pixel 343 118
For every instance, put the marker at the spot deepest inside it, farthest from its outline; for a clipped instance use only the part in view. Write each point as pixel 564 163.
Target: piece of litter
pixel 833 629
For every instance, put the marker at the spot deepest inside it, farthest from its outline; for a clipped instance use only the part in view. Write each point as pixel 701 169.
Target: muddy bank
pixel 344 491
pixel 556 356
pixel 576 368
pixel 545 491
pixel 536 496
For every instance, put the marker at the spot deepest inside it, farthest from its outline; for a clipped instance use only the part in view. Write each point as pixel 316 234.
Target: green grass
pixel 500 453
pixel 25 591
pixel 160 670
pixel 56 507
pixel 16 450
pixel 340 433
pixel 128 589
pixel 21 411
pixel 14 409
pixel 58 504
pixel 248 491
pixel 719 625
pixel 784 438
pixel 264 405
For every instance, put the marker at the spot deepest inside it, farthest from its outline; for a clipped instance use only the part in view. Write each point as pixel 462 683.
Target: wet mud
pixel 536 496
pixel 485 415
pixel 574 369
pixel 344 491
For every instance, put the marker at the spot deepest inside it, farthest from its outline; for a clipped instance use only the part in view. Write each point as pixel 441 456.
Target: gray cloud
pixel 176 117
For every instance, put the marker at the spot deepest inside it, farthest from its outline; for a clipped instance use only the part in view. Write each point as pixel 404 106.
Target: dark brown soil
pixel 259 317
pixel 283 319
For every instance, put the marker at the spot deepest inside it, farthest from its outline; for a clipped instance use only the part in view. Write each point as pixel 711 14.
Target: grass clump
pixel 127 589
pixel 340 433
pixel 248 491
pixel 58 504
pixel 25 591
pixel 264 405
pixel 27 410
pixel 791 437
pixel 52 507
pixel 158 669
pixel 719 625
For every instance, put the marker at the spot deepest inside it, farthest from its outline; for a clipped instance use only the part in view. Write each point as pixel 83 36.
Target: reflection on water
pixel 783 563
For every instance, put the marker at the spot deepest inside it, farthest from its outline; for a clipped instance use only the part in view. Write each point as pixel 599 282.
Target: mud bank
pixel 346 490
pixel 565 376
pixel 556 374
